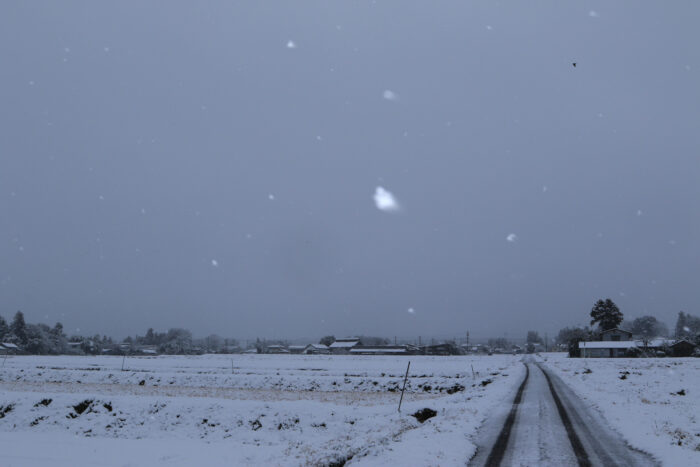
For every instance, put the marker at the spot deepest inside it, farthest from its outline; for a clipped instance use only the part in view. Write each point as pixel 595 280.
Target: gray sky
pixel 179 164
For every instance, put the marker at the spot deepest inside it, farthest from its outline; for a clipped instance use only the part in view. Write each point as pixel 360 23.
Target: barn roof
pixel 344 343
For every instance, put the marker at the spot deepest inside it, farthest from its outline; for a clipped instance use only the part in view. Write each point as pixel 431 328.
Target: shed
pixel 682 348
pixel 604 349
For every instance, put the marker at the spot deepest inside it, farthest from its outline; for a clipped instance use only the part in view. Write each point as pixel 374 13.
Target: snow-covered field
pixel 653 402
pixel 246 410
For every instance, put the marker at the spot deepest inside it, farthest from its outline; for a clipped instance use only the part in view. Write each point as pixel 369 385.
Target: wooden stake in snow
pixel 404 384
pixel 231 366
pixel 3 360
pixel 123 359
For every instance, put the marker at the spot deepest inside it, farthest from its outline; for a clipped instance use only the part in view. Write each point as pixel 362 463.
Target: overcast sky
pixel 212 165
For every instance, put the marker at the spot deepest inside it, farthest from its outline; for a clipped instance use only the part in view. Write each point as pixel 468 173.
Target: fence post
pixel 123 360
pixel 404 384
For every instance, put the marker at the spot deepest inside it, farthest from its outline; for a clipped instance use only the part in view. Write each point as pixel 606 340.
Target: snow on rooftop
pixel 317 346
pixel 344 343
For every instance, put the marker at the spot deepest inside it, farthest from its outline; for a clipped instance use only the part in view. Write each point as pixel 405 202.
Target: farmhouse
pixel 625 348
pixel 316 349
pixel 441 349
pixel 296 349
pixel 343 346
pixel 605 348
pixel 276 348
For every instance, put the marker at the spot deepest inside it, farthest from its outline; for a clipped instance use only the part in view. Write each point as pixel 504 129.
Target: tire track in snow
pixel 499 447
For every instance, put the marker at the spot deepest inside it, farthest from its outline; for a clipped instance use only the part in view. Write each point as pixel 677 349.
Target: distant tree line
pixel 38 338
pixel 42 339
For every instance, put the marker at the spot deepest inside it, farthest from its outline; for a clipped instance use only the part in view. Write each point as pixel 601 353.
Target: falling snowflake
pixel 411 311
pixel 385 200
pixel 390 95
pixel 544 189
pixel 489 27
pixel 214 263
pixel 271 197
pixel 512 238
pixel 593 14
pixel 291 45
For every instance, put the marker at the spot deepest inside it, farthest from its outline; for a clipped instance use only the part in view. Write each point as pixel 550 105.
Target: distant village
pixel 340 346
pixel 612 338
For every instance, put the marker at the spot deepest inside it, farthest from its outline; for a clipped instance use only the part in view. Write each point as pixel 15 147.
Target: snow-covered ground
pixel 246 410
pixel 653 402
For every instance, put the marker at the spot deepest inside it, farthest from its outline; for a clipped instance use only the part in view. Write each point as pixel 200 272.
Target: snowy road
pixel 548 425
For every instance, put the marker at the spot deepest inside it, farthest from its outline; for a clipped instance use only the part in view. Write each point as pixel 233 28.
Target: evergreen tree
pixel 18 329
pixel 687 326
pixel 4 329
pixel 38 341
pixel 58 340
pixel 681 328
pixel 533 337
pixel 606 314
